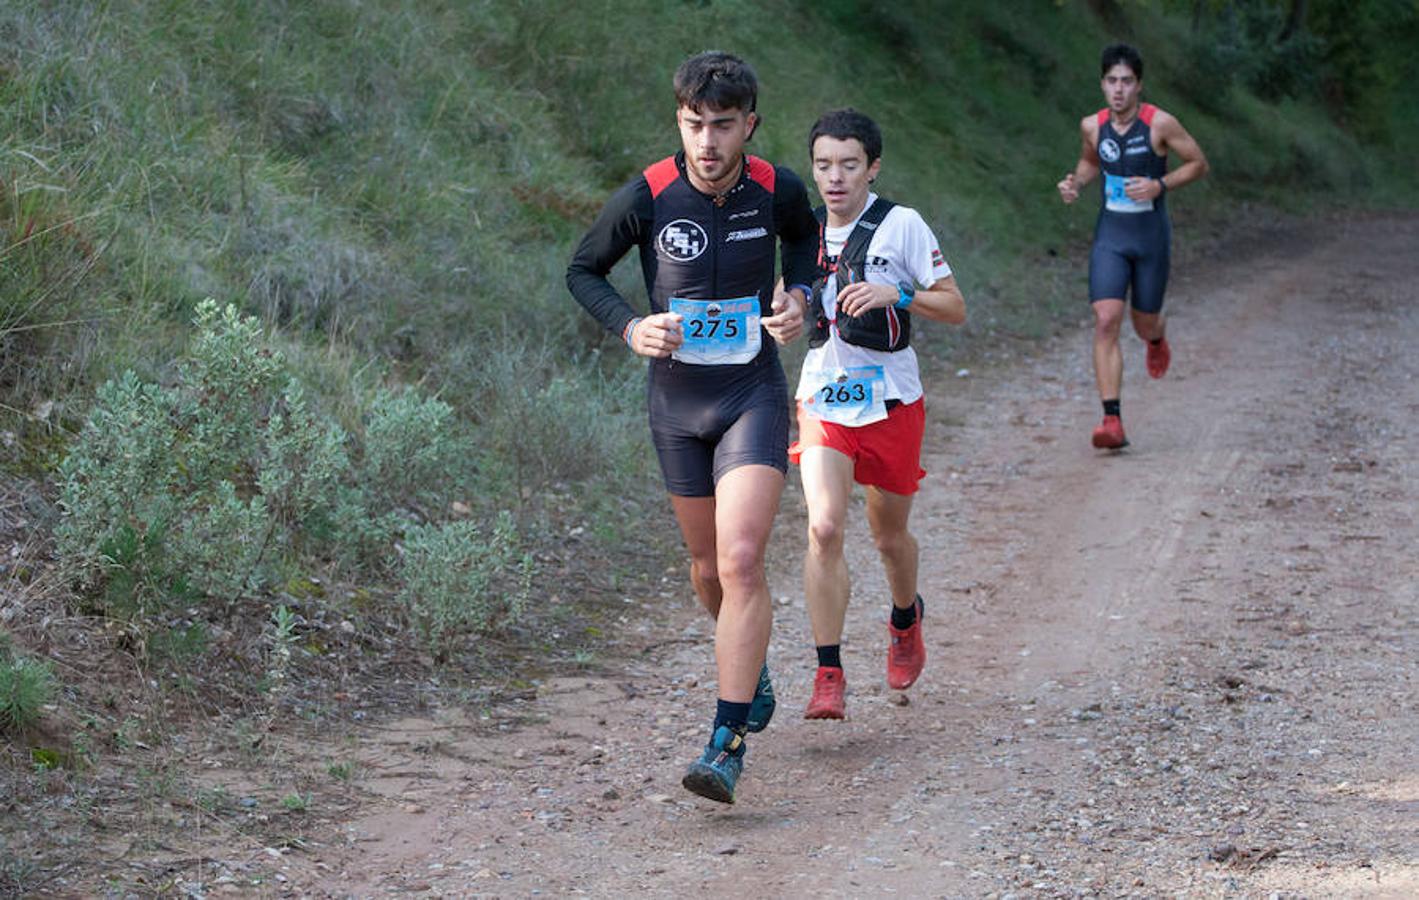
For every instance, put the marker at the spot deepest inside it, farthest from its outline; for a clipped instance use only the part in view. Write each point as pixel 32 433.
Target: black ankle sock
pixel 1111 407
pixel 830 655
pixel 734 715
pixel 905 618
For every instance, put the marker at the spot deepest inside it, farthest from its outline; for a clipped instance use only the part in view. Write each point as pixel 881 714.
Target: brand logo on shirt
pixel 743 214
pixel 1108 150
pixel 682 240
pixel 747 234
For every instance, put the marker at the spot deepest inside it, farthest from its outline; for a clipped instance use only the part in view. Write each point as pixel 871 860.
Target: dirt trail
pixel 1185 668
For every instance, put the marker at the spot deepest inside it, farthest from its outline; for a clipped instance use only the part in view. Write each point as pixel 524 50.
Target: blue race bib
pixel 718 332
pixel 1116 197
pixel 852 396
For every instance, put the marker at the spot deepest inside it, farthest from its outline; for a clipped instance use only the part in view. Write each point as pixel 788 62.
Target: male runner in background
pixel 1129 141
pixel 861 415
pixel 707 222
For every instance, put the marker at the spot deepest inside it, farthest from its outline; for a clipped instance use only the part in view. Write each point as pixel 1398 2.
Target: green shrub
pixel 202 489
pixel 26 685
pixel 409 447
pixel 198 488
pixel 303 461
pixel 461 577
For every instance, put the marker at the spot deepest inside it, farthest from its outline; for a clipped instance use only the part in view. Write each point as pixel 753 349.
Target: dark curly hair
pixel 1122 53
pixel 718 80
pixel 848 123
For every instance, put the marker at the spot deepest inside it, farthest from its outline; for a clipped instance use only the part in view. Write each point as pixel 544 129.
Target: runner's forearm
pixel 942 303
pixel 614 233
pixel 1085 171
pixel 798 233
pixel 1186 173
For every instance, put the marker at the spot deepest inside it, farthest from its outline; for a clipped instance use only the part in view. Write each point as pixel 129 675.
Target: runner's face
pixel 843 176
pixel 714 141
pixel 1121 89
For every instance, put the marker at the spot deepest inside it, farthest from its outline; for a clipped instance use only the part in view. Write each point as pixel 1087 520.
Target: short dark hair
pixel 842 124
pixel 718 80
pixel 1121 53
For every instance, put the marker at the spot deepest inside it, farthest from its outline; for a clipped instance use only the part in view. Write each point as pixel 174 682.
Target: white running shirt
pixel 902 249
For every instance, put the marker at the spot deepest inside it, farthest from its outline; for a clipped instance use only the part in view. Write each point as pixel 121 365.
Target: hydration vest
pixel 887 328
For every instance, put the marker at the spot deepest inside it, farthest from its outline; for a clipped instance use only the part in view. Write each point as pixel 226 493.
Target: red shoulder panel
pixel 762 172
pixel 1102 117
pixel 661 175
pixel 1146 112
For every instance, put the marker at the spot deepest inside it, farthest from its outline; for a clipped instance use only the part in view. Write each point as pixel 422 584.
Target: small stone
pixel 898 699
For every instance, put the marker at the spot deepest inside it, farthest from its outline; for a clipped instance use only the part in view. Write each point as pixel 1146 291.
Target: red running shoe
pixel 906 654
pixel 1159 355
pixel 827 701
pixel 1109 434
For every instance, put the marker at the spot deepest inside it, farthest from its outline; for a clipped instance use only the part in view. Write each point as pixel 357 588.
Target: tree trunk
pixel 1295 21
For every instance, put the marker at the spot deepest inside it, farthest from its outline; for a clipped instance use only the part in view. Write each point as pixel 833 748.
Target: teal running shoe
pixel 714 774
pixel 761 708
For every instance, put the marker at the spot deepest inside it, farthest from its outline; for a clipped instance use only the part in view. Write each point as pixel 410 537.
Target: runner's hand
pixel 861 296
pixel 787 321
pixel 658 335
pixel 1068 188
pixel 1142 188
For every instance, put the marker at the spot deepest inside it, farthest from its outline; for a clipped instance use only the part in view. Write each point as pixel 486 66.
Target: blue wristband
pixel 906 293
pixel 629 331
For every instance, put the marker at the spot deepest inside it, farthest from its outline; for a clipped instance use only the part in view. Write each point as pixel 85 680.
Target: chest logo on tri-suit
pixel 682 240
pixel 1108 150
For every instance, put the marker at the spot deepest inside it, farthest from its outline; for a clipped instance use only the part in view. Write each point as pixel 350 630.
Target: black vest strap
pixel 878 329
pixel 854 251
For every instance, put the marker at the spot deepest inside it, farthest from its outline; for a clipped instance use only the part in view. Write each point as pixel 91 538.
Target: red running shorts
pixel 885 454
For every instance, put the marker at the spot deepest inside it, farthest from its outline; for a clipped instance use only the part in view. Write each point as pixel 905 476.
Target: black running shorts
pixel 706 420
pixel 1130 259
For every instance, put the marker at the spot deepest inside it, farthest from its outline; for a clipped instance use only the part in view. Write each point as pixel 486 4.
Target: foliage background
pixel 390 458
pixel 392 189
